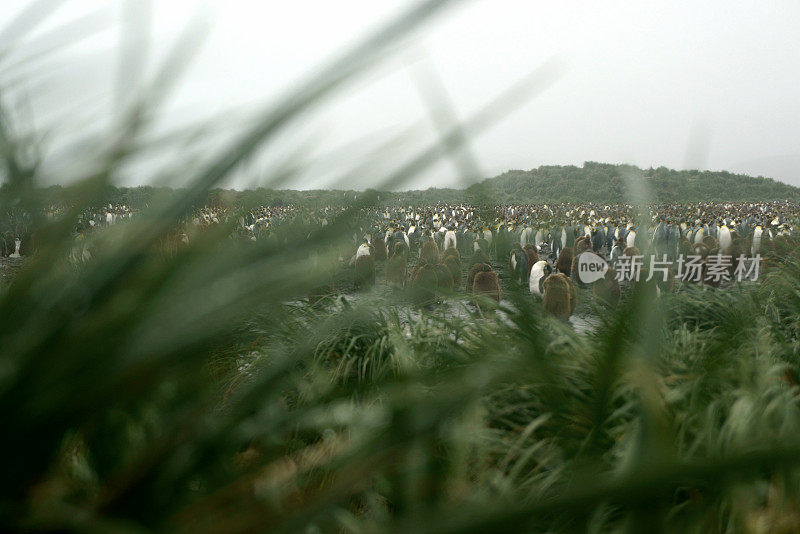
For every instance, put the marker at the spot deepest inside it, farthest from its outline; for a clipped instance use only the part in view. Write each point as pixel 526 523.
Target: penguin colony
pixel 434 251
pixel 438 272
pixel 544 257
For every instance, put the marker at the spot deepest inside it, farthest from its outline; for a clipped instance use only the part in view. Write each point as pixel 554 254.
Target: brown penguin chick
pixel 424 285
pixel 564 261
pixel 644 286
pixel 748 244
pixel 454 266
pixel 699 249
pixel 738 248
pixel 532 255
pixel 711 244
pixel 582 244
pixel 559 297
pixel 487 284
pixel 574 271
pixel 364 271
pixel 444 278
pixel 573 296
pixel 607 290
pixel 400 248
pixel 479 257
pixel 451 252
pixel 378 248
pixel 27 245
pixel 397 269
pixel 668 285
pixel 706 279
pixel 474 270
pixel 429 253
pixel 631 251
pixel 414 272
pixel 685 247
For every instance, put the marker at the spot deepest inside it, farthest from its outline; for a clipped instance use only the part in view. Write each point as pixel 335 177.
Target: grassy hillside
pixel 600 182
pixel 594 182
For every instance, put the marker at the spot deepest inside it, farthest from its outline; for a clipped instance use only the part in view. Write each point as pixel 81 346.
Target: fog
pixel 709 85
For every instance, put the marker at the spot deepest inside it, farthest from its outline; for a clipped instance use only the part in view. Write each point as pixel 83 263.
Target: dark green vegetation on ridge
pixel 606 183
pixel 552 184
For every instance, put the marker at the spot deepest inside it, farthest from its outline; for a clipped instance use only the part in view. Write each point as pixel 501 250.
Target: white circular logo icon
pixel 591 267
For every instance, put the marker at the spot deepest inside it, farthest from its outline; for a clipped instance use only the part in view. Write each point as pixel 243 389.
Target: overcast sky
pixel 710 85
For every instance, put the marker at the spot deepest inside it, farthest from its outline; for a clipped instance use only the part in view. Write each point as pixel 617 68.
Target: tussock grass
pixel 191 388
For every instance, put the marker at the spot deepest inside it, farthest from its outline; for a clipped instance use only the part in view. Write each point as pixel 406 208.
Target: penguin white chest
pixel 724 238
pixel 363 250
pixel 756 246
pixel 450 239
pixel 536 278
pixel 698 237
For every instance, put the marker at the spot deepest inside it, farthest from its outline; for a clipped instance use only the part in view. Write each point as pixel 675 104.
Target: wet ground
pixel 460 304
